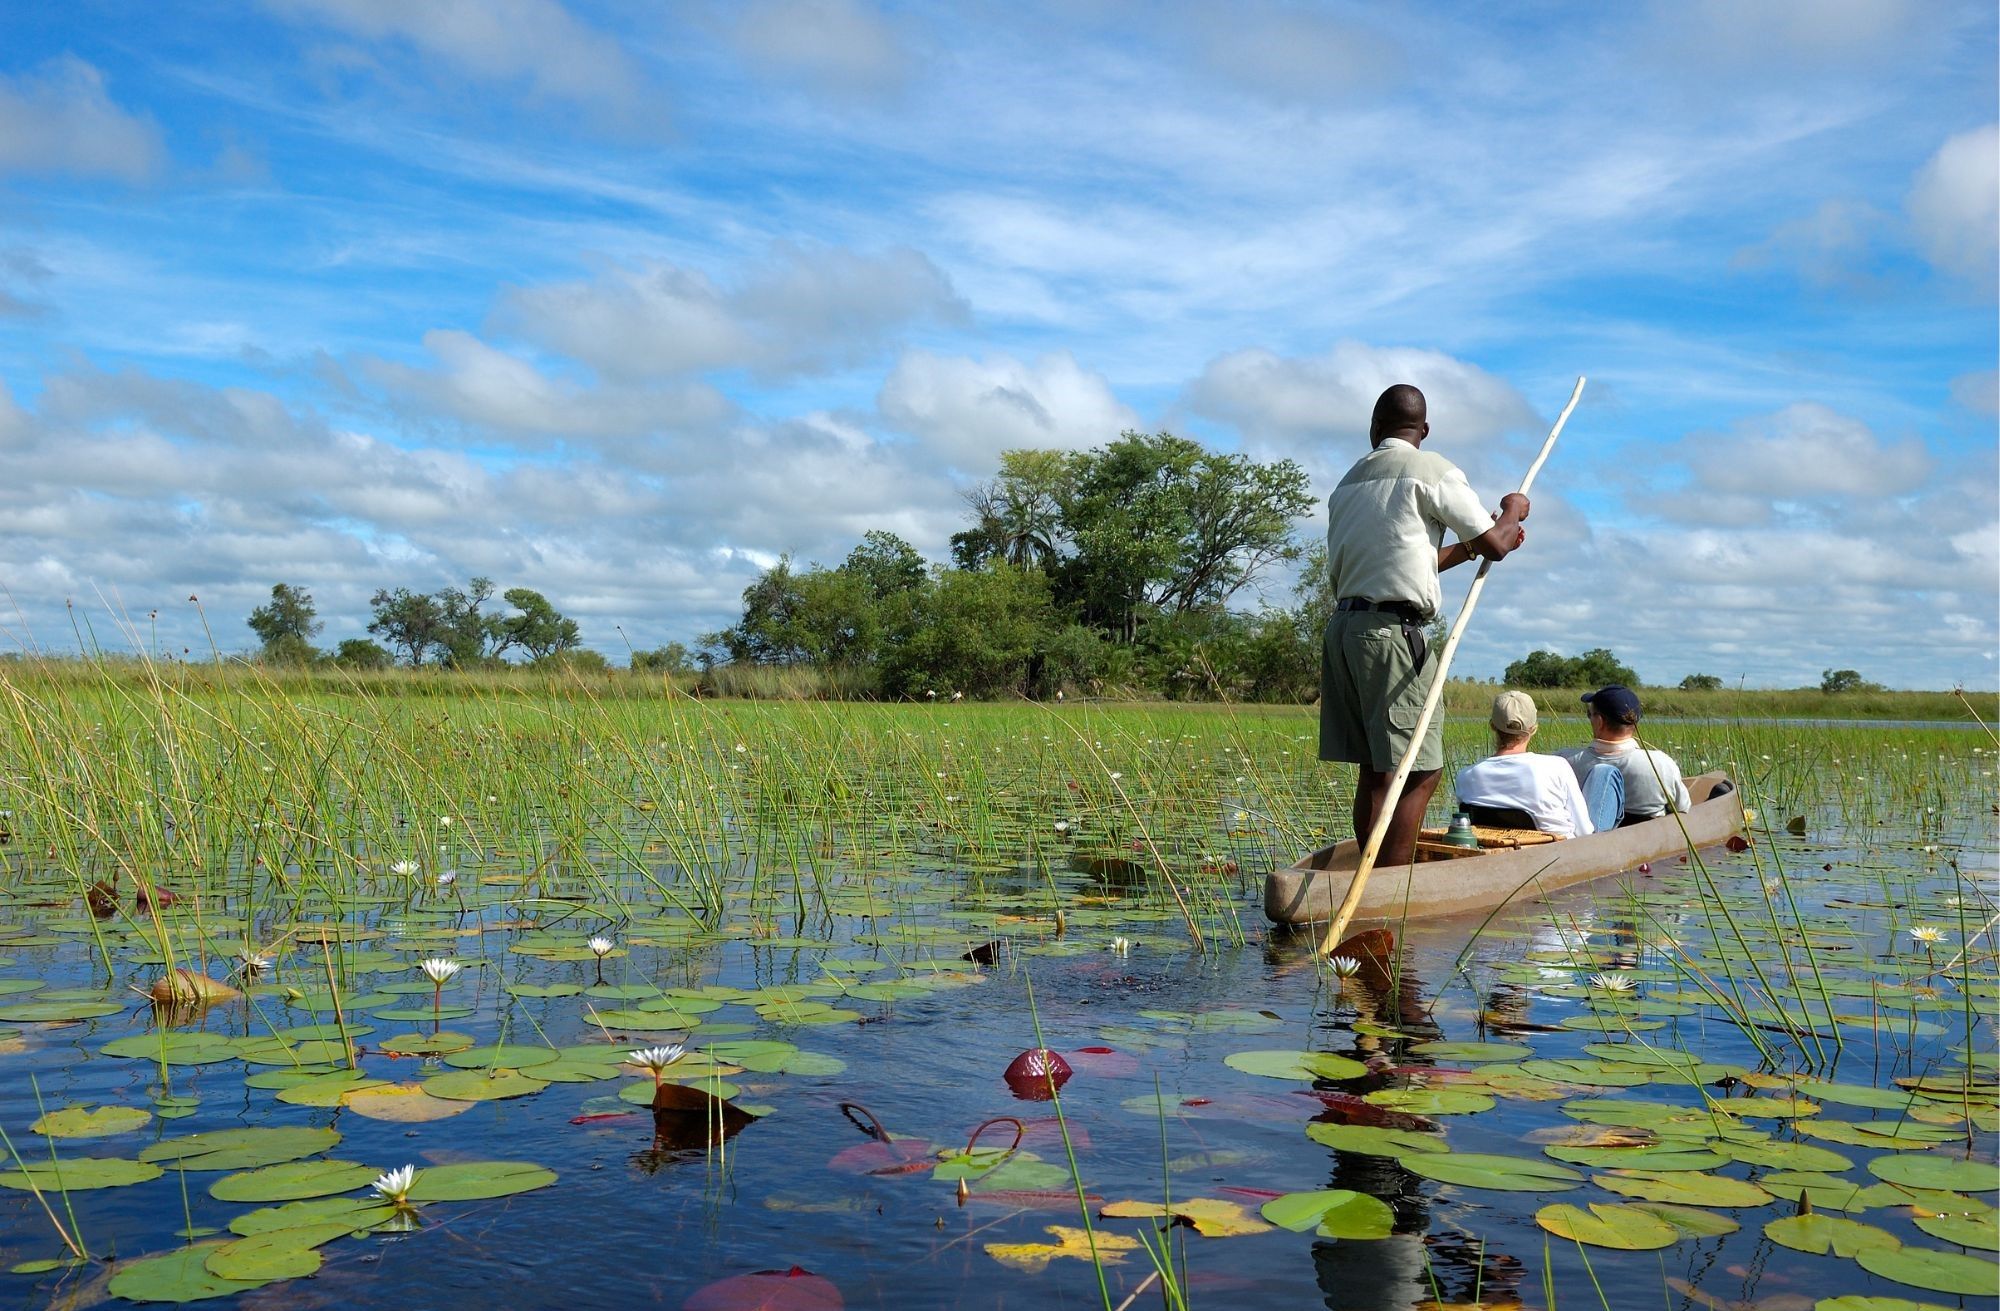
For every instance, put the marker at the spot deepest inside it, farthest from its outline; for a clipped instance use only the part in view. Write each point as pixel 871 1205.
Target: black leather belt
pixel 1402 610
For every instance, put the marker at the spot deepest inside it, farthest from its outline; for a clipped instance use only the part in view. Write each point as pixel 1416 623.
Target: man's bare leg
pixel 1371 789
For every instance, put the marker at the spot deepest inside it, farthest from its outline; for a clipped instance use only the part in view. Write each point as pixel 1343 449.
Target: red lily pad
pixel 1035 1074
pixel 796 1289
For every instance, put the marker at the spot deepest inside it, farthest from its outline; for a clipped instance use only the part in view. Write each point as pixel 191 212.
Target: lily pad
pixel 173 1048
pixel 1785 1156
pixel 482 1085
pixel 1979 1229
pixel 1514 1174
pixel 1820 1234
pixel 1472 1053
pixel 181 1276
pixel 1209 1216
pixel 1940 1272
pixel 1944 1173
pixel 476 1180
pixel 1369 1140
pixel 1608 1224
pixel 1691 1188
pixel 293 1181
pixel 78 1173
pixel 1305 1066
pixel 239 1149
pixel 506 1056
pixel 1331 1213
pixel 1431 1101
pixel 83 1122
pixel 278 1254
pixel 355 1214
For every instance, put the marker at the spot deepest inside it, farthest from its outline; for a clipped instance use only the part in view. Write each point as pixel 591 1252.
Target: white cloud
pixel 1830 247
pixel 536 41
pixel 1954 206
pixel 59 119
pixel 1730 32
pixel 1290 53
pixel 1978 392
pixel 831 46
pixel 806 309
pixel 968 411
pixel 479 384
pixel 1297 402
pixel 1802 451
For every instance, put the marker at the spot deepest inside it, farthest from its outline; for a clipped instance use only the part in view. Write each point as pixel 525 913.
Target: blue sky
pixel 621 302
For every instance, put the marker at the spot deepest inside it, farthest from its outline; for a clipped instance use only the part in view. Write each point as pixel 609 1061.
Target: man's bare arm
pixel 1496 543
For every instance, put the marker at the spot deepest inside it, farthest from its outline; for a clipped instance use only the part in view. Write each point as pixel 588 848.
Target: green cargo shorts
pixel 1371 693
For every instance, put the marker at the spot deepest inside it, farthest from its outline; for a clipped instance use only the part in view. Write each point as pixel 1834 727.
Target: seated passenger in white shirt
pixel 1515 778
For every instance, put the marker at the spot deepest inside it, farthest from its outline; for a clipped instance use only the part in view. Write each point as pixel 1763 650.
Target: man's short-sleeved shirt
pixel 1386 520
pixel 1544 786
pixel 1653 783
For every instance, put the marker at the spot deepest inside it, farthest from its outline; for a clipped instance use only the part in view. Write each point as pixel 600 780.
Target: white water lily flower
pixel 405 868
pixel 444 821
pixel 1345 967
pixel 656 1059
pixel 1928 935
pixel 1121 946
pixel 254 962
pixel 1611 982
pixel 447 878
pixel 1061 826
pixel 440 969
pixel 599 947
pixel 394 1187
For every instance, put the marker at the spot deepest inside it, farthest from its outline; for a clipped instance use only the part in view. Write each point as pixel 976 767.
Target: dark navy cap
pixel 1615 704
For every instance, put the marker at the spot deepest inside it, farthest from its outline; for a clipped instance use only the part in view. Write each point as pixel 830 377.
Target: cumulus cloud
pixel 1297 400
pixel 534 41
pixel 807 308
pixel 835 47
pixel 1978 392
pixel 60 119
pixel 1291 53
pixel 1954 206
pixel 967 411
pixel 1804 450
pixel 479 384
pixel 1830 247
pixel 1801 31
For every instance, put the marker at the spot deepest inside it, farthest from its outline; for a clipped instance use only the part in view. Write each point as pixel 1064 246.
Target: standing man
pixel 1385 526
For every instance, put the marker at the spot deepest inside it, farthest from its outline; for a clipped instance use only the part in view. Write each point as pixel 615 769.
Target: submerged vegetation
pixel 309 977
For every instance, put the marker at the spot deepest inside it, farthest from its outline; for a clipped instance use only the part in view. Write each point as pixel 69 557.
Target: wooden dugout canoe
pixel 1310 891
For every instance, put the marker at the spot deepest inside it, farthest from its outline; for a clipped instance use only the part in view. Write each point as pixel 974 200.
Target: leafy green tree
pixel 1834 681
pixel 886 565
pixel 1018 515
pixel 1596 667
pixel 1701 683
pixel 470 637
pixel 673 658
pixel 286 626
pixel 411 623
pixel 767 633
pixel 539 629
pixel 360 653
pixel 976 631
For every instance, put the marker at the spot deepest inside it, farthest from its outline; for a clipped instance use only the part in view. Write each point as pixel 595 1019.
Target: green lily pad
pixel 1692 1221
pixel 426 1044
pixel 1473 1052
pixel 1514 1174
pixel 1785 1156
pixel 1975 1229
pixel 180 1276
pixel 1593 1073
pixel 1331 1213
pixel 57 1012
pixel 327 1089
pixel 173 1048
pixel 82 1122
pixel 356 1214
pixel 1820 1234
pixel 1608 1224
pixel 78 1173
pixel 279 1254
pixel 1305 1066
pixel 1944 1173
pixel 1431 1101
pixel 477 1180
pixel 1855 1094
pixel 292 1181
pixel 1658 1156
pixel 1902 1136
pixel 1862 1302
pixel 506 1056
pixel 482 1085
pixel 239 1149
pixel 1940 1272
pixel 1690 1188
pixel 1368 1140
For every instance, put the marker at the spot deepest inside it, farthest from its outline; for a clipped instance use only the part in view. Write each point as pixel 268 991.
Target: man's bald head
pixel 1399 412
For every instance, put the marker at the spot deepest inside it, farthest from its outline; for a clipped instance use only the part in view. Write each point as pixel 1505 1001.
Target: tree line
pixel 1107 571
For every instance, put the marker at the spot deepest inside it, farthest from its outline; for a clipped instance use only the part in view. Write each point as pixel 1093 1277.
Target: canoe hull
pixel 1310 891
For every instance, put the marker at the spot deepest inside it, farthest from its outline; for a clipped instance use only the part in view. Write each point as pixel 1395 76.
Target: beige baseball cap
pixel 1514 713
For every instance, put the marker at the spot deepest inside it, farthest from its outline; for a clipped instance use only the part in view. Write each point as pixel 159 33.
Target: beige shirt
pixel 1386 521
pixel 1653 784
